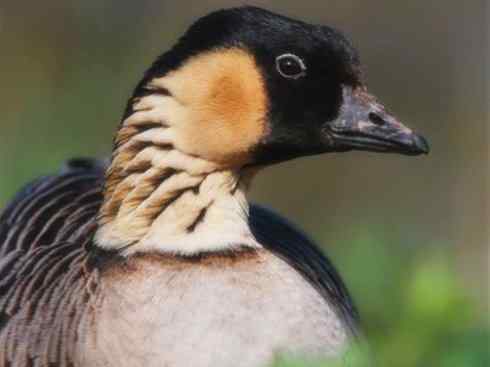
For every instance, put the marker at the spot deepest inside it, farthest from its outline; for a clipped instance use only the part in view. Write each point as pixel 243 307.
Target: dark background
pixel 410 235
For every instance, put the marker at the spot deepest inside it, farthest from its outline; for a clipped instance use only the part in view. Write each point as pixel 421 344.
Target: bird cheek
pixel 225 104
pixel 225 125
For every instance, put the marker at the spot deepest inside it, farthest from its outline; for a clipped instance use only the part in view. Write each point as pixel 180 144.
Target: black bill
pixel 364 124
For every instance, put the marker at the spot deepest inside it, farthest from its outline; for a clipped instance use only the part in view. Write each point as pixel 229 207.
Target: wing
pixel 289 243
pixel 43 234
pixel 51 209
pixel 44 227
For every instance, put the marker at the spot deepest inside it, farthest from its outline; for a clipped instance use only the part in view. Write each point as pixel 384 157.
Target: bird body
pixel 158 258
pixel 65 305
pixel 220 311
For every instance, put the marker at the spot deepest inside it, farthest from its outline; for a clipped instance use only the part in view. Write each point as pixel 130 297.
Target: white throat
pixel 159 199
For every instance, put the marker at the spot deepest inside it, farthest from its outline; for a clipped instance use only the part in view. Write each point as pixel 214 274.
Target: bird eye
pixel 290 66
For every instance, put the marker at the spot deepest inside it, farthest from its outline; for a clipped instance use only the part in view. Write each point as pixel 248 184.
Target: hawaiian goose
pixel 158 259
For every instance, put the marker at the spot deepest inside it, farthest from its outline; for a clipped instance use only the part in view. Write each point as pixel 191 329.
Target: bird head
pixel 256 88
pixel 243 88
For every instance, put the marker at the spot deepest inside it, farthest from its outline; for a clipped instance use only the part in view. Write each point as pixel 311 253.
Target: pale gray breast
pixel 213 312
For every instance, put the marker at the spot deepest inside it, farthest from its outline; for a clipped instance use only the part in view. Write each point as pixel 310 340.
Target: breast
pixel 215 311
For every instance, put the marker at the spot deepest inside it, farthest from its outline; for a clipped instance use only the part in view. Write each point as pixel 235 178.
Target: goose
pixel 156 258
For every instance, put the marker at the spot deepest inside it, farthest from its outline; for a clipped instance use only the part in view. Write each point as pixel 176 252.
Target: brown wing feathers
pixel 45 288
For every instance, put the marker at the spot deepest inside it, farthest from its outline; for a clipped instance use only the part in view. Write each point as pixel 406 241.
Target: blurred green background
pixel 409 235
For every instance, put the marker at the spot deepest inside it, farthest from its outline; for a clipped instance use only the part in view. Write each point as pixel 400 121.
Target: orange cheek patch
pixel 224 95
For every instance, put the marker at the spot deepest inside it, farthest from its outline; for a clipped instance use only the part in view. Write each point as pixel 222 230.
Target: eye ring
pixel 290 66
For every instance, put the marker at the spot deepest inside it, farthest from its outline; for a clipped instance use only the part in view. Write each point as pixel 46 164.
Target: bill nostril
pixel 376 119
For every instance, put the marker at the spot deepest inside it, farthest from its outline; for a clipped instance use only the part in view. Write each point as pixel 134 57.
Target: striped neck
pixel 158 199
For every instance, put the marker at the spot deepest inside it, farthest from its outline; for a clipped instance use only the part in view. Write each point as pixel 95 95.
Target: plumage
pixel 46 287
pixel 156 257
pixel 50 282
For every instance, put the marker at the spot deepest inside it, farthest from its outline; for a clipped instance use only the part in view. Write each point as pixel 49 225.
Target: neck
pixel 158 199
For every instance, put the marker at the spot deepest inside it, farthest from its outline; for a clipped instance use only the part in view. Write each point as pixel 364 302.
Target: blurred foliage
pixel 415 311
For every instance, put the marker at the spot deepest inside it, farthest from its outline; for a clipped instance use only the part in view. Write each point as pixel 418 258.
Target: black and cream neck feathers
pixel 177 182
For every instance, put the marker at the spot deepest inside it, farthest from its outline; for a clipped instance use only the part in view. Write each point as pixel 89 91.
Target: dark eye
pixel 290 66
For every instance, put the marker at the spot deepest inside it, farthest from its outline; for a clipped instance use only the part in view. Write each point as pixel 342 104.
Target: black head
pixel 316 98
